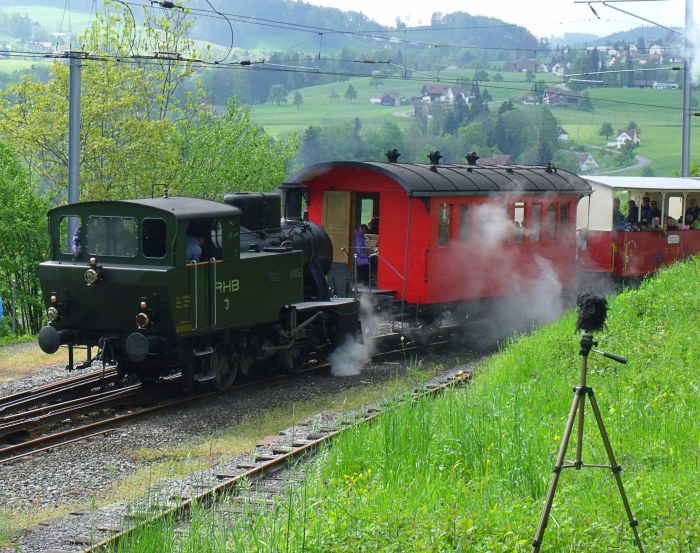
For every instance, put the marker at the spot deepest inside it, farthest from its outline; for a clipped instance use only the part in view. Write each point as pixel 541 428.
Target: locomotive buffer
pixel 592 311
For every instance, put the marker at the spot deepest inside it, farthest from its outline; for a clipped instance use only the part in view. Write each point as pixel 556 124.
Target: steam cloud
pixel 350 358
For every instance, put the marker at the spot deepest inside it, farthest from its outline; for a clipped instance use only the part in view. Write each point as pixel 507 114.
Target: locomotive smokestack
pixel 293 194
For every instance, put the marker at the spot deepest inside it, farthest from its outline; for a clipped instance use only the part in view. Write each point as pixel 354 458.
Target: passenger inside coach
pixel 361 257
pixel 618 217
pixel 631 222
pixel 647 212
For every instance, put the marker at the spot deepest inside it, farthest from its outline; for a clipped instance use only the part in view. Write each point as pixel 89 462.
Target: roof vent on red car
pixel 434 158
pixel 392 155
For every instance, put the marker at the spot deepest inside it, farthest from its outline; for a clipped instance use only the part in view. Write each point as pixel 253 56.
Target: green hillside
pixel 469 471
pixel 656 112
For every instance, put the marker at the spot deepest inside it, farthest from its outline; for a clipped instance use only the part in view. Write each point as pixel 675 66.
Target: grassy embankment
pixel 469 471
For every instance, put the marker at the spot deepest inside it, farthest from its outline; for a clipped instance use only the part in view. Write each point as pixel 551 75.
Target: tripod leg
pixel 537 542
pixel 615 470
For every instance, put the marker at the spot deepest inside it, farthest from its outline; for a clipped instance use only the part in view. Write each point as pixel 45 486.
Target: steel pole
pixel 687 91
pixel 74 128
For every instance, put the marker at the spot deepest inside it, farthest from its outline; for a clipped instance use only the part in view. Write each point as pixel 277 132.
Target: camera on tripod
pixel 592 311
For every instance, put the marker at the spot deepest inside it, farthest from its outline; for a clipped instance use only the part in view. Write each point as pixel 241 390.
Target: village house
pixel 438 92
pixel 500 159
pixel 560 97
pixel 586 162
pixel 561 68
pixel 623 136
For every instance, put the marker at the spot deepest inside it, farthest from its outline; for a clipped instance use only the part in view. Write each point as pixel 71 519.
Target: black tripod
pixel 580 393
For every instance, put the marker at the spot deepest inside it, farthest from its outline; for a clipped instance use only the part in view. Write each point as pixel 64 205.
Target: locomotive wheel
pixel 294 359
pixel 225 365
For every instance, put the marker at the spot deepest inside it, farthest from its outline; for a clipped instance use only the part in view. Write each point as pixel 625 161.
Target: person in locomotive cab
pixel 361 257
pixel 76 242
pixel 194 246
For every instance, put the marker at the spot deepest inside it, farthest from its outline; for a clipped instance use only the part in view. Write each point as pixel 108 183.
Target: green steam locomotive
pixel 208 289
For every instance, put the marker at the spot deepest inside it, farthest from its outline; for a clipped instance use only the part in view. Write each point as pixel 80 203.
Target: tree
pixel 24 243
pixel 606 129
pixel 481 75
pixel 298 99
pixel 627 156
pixel 584 102
pixel 226 152
pixel 127 113
pixel 567 161
pixel 350 93
pixel 377 80
pixel 333 95
pixel 387 137
pixel 278 94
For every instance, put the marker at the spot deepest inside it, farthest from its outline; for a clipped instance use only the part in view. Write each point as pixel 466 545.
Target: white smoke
pixel 350 358
pixel 356 352
pixel 528 293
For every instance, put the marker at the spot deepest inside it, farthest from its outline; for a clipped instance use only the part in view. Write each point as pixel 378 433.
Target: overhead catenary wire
pixel 262 65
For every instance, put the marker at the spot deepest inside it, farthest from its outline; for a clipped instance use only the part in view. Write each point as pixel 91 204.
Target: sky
pixel 543 18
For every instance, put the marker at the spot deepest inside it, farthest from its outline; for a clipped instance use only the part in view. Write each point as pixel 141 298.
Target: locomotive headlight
pixel 52 314
pixel 142 320
pixel 92 276
pixel 144 305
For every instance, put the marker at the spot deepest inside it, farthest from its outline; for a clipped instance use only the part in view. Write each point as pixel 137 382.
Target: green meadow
pixel 468 471
pixel 658 113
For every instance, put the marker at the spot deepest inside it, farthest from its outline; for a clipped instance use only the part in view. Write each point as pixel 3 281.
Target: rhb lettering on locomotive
pixel 225 286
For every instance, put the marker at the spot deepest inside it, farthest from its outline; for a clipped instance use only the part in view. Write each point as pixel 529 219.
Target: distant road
pixel 639 162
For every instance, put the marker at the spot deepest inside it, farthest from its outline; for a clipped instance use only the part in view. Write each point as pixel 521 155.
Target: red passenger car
pixel 638 246
pixel 451 235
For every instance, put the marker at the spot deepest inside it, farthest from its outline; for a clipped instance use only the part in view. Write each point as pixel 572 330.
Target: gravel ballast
pixel 78 474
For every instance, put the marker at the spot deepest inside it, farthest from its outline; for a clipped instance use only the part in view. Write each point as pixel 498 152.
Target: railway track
pixel 57 414
pixel 266 470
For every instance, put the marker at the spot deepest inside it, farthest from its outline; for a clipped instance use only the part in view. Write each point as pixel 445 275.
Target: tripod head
pixel 591 316
pixel 587 344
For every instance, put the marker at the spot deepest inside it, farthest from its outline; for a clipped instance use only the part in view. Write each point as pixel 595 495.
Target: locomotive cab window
pixel 70 235
pixel 203 240
pixel 111 236
pixel 154 242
